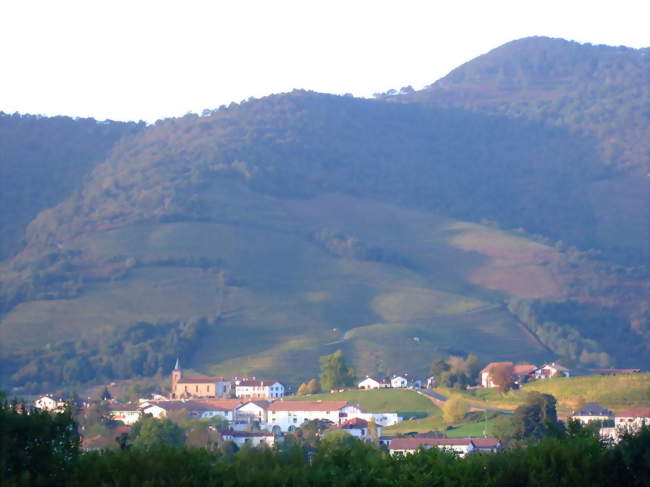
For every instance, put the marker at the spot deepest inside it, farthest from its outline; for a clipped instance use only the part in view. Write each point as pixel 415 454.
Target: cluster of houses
pixel 255 412
pixel 612 426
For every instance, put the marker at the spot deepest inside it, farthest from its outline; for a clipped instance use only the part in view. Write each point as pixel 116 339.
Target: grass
pixel 613 392
pixel 472 429
pixel 287 300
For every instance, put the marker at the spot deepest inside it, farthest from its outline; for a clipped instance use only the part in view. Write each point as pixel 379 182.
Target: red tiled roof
pixel 354 423
pixel 415 443
pixel 492 364
pixel 202 380
pixel 307 405
pixel 485 442
pixel 222 403
pixel 190 406
pixel 524 369
pixel 634 413
pixel 124 407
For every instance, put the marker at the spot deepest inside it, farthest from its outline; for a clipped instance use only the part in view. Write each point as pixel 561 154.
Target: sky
pixel 145 60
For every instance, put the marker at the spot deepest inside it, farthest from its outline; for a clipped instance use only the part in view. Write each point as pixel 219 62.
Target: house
pixel 359 428
pixel 288 415
pixel 631 420
pixel 405 446
pixel 192 409
pixel 259 389
pixel 248 438
pixel 592 412
pixel 399 381
pixel 252 412
pixel 486 373
pixel 373 383
pixel 386 440
pixel 47 403
pixel 126 413
pixel 521 373
pixel 192 387
pixel 551 370
pixel 486 445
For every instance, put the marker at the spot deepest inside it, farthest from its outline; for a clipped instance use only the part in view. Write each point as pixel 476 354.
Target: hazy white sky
pixel 140 59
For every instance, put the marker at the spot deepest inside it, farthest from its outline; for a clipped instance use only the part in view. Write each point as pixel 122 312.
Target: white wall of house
pixel 126 417
pixel 398 382
pixel 370 383
pixel 251 412
pixel 46 403
pixel 273 391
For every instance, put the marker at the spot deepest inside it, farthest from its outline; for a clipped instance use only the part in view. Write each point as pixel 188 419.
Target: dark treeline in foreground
pixel 43 449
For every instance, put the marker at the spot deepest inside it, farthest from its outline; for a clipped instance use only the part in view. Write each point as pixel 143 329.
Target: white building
pixel 631 420
pixel 199 409
pixel 405 446
pixel 289 415
pixel 249 438
pixel 399 381
pixel 259 389
pixel 46 403
pixel 360 428
pixel 551 370
pixel 126 413
pixel 592 412
pixel 373 383
pixel 250 413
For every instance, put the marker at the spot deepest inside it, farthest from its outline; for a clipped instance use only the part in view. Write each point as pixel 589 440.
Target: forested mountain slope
pixel 44 159
pixel 599 92
pixel 258 236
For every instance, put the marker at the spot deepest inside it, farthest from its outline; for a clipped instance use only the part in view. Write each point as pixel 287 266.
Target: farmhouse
pixel 126 413
pixel 521 373
pixel 592 412
pixel 632 420
pixel 46 403
pixel 252 412
pixel 374 383
pixel 259 389
pixel 192 409
pixel 399 381
pixel 192 387
pixel 360 428
pixel 249 438
pixel 551 370
pixel 405 446
pixel 289 415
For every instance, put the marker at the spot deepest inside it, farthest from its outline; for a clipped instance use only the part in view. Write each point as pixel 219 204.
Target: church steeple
pixel 177 375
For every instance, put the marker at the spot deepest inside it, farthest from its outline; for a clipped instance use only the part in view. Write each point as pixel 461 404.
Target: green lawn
pixel 472 429
pixel 613 392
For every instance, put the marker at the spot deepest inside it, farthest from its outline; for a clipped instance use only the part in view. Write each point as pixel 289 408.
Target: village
pixel 258 412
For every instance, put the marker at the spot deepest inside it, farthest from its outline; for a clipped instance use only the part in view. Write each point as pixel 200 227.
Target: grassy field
pixel 287 300
pixel 613 392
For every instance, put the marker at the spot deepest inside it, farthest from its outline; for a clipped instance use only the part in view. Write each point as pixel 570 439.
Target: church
pixel 197 387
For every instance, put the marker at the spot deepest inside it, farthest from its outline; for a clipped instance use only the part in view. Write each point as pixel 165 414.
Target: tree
pixel 149 432
pixel 334 373
pixel 537 417
pixel 36 447
pixel 454 410
pixel 313 387
pixel 502 374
